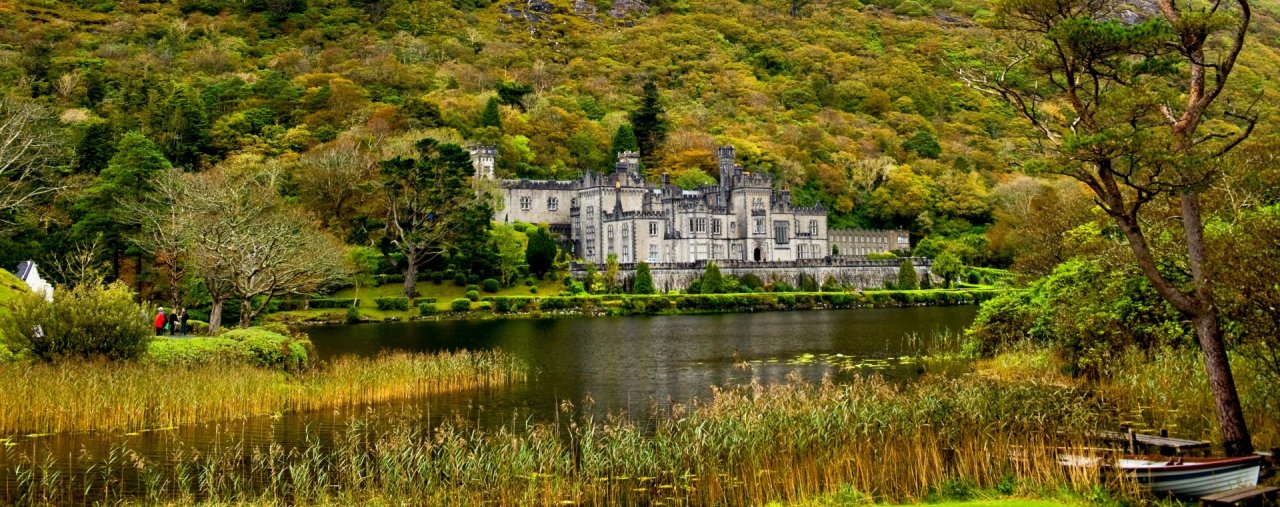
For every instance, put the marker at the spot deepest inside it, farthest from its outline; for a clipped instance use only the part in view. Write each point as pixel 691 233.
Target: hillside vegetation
pixel 853 105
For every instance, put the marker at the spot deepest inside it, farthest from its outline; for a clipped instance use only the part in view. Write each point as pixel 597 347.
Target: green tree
pixel 948 266
pixel 512 93
pixel 611 273
pixel 541 254
pixel 492 116
pixel 1132 111
pixel 180 126
pixel 907 278
pixel 511 252
pixel 95 147
pixel 624 140
pixel 649 123
pixel 644 280
pixel 712 282
pixel 103 211
pixel 924 144
pixel 426 197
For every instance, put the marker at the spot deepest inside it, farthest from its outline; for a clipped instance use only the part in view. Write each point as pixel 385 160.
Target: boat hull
pixel 1193 479
pixel 1183 477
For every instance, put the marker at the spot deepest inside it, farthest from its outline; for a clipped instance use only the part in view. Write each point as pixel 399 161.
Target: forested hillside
pixel 853 105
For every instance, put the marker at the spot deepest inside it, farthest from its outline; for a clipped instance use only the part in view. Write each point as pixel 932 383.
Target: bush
pixel 501 305
pixel 530 281
pixel 437 277
pixel 473 287
pixel 490 285
pixel 387 304
pixel 427 308
pixel 459 279
pixel 268 347
pixel 485 306
pixel 473 295
pixel 473 278
pixel 89 320
pixel 353 315
pixel 327 303
pixel 460 305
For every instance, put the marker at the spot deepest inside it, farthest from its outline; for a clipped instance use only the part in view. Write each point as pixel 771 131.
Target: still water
pixel 604 365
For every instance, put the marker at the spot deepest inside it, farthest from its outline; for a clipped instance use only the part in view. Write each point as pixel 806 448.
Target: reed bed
pixel 51 398
pixel 744 446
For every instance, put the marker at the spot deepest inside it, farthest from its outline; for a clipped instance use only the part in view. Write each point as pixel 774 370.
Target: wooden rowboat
pixel 1184 477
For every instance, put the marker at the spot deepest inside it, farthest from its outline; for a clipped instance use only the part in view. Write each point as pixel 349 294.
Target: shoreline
pixel 623 305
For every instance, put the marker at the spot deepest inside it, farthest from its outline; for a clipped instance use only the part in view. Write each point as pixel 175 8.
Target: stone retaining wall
pixel 857 273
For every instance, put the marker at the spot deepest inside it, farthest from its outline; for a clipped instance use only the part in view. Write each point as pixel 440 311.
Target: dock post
pixel 1133 441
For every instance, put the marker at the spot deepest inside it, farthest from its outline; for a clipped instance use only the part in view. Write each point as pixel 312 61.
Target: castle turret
pixel 728 161
pixel 629 161
pixel 484 158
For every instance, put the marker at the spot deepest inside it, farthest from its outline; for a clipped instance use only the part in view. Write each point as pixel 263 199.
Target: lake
pixel 637 365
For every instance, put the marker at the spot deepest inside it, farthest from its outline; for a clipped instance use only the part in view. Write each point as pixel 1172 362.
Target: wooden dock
pixel 1139 442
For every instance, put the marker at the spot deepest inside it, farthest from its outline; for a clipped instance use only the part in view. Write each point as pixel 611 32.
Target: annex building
pixel 742 218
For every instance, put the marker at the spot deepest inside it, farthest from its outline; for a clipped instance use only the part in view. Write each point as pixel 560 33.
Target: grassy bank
pixel 1153 390
pixel 74 396
pixel 532 306
pixel 744 446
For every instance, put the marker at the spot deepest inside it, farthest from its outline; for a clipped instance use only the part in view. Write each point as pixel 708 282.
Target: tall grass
pixel 48 398
pixel 744 446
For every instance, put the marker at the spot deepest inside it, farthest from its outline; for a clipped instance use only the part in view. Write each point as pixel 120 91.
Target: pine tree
pixel 491 116
pixel 95 148
pixel 648 122
pixel 644 280
pixel 907 279
pixel 541 252
pixel 102 211
pixel 712 282
pixel 624 140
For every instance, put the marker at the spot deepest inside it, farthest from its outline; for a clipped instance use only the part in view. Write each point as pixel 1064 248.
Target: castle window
pixel 717 252
pixel 813 227
pixel 609 235
pixel 733 227
pixel 653 229
pixel 591 241
pixel 526 203
pixel 800 251
pixel 699 224
pixel 757 204
pixel 759 226
pixel 716 226
pixel 591 213
pixel 653 253
pixel 553 204
pixel 781 232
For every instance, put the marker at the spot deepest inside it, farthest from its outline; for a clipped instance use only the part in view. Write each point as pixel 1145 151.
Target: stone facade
pixel 742 218
pixel 860 243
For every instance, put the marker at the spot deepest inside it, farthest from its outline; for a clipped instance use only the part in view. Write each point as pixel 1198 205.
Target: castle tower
pixel 629 161
pixel 484 158
pixel 728 161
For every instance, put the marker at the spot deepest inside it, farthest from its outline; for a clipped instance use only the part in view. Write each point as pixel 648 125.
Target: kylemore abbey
pixel 743 223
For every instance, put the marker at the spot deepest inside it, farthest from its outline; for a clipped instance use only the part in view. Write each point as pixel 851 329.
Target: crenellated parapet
pixel 540 184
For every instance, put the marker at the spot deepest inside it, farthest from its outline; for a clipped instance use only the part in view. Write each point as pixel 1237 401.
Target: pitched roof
pixel 24 270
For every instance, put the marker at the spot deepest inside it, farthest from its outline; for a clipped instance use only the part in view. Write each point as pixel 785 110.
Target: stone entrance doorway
pixel 757 254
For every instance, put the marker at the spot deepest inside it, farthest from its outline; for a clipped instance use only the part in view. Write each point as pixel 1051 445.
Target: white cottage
pixel 28 273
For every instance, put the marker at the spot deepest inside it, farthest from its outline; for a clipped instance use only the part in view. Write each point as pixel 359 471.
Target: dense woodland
pixel 128 106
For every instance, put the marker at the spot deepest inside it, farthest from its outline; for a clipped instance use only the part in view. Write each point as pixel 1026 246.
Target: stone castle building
pixel 742 218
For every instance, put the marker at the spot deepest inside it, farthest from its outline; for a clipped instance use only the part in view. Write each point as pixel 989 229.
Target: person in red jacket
pixel 160 321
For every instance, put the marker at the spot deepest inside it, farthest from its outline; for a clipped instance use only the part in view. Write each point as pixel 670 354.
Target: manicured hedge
pixel 328 303
pixel 392 303
pixel 460 305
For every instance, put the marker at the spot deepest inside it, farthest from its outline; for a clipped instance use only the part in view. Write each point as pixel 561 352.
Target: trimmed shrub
pixel 460 279
pixel 437 277
pixel 460 305
pixel 473 295
pixel 485 306
pixel 473 287
pixel 387 304
pixel 427 308
pixel 328 303
pixel 490 285
pixel 501 305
